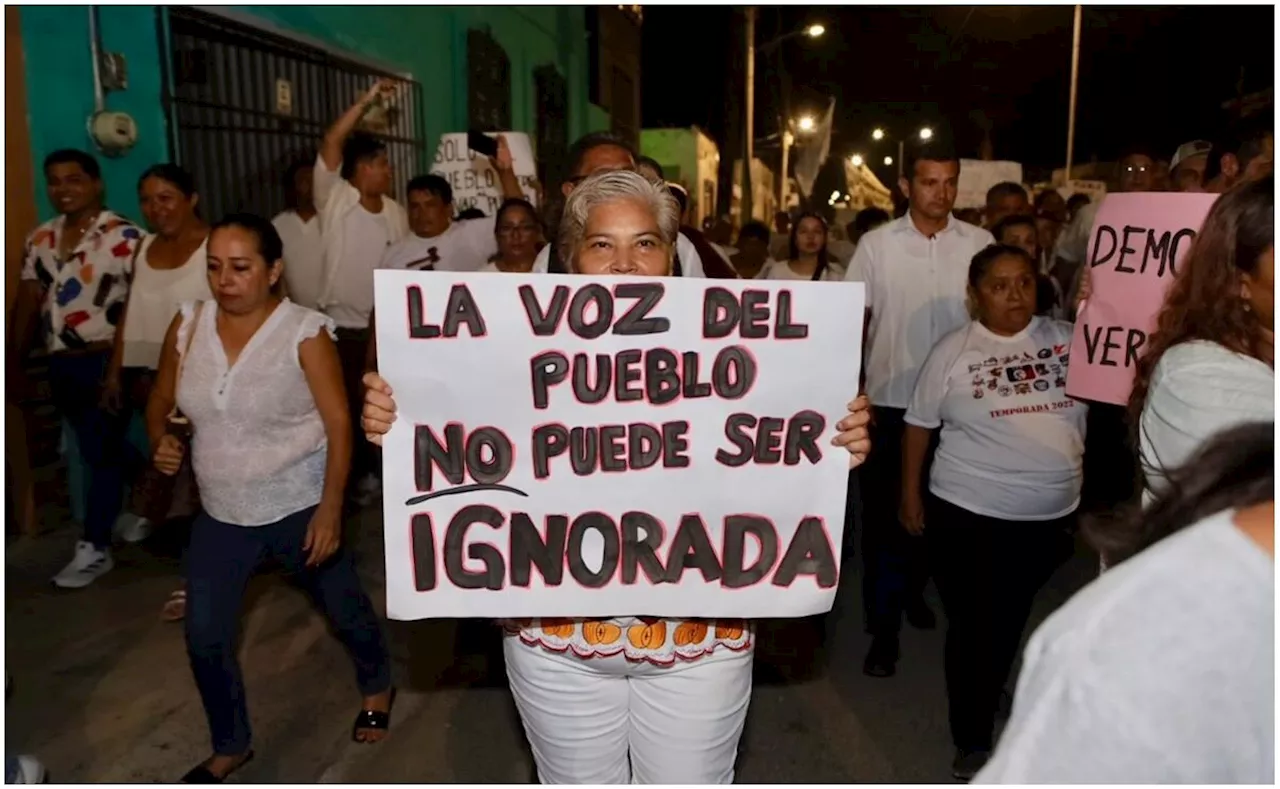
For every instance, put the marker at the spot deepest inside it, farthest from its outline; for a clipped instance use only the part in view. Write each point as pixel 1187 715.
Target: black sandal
pixel 200 774
pixel 375 720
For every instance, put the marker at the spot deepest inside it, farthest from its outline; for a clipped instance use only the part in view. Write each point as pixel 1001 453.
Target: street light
pixel 878 134
pixel 813 30
pixel 806 123
pixel 855 160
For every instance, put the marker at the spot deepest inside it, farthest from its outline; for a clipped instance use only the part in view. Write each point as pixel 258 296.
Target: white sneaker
pixel 30 771
pixel 84 569
pixel 132 528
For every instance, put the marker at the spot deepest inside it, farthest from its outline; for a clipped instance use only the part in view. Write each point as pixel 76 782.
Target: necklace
pixel 72 236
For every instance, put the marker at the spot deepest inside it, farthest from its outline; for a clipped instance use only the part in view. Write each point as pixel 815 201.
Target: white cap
pixel 1187 150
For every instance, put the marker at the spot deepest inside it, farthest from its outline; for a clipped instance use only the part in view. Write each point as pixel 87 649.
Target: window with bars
pixel 488 83
pixel 243 103
pixel 552 123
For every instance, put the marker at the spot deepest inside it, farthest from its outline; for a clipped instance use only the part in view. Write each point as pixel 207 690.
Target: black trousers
pixel 895 564
pixel 353 349
pixel 988 572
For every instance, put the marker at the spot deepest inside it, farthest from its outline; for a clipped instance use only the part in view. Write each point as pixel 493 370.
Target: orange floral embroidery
pixel 560 628
pixel 730 629
pixel 689 633
pixel 600 633
pixel 650 634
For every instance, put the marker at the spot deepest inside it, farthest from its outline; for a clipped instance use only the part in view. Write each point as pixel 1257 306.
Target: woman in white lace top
pixel 259 379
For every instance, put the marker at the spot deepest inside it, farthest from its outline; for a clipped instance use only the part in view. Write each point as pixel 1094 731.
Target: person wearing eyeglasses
pixel 520 237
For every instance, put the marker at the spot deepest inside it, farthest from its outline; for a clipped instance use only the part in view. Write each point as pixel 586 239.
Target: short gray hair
pixel 608 187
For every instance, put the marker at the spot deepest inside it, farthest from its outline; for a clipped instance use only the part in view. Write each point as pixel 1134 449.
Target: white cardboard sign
pixel 978 176
pixel 474 180
pixel 577 446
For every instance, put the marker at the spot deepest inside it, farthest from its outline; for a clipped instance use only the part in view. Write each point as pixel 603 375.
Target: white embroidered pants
pixel 584 717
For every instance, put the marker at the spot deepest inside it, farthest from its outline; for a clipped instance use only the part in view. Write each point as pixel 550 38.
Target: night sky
pixel 1150 75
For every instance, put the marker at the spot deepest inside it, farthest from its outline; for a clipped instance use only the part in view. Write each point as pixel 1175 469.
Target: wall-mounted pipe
pixel 95 50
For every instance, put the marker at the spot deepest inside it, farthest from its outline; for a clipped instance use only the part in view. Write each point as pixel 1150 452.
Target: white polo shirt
pixel 915 288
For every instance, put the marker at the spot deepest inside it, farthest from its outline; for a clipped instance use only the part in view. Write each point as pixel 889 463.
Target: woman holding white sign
pixel 259 386
pixel 1004 484
pixel 627 699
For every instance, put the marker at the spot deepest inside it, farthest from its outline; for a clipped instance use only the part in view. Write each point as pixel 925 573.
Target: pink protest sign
pixel 1135 247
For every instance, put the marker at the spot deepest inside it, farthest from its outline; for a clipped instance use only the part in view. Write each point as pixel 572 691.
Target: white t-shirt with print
pixel 365 240
pixel 1012 441
pixel 466 246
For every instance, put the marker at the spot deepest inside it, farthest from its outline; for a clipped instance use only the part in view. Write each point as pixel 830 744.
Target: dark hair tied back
pixel 172 174
pixel 269 244
pixel 985 259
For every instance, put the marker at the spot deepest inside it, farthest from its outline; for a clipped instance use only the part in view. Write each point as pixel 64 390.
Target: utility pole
pixel 748 149
pixel 1071 113
pixel 787 139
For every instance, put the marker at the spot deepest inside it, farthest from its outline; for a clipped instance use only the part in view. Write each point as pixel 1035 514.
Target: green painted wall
pixel 598 119
pixel 428 43
pixel 431 44
pixel 59 75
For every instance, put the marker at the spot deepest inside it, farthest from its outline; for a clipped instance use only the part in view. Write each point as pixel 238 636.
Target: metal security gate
pixel 244 103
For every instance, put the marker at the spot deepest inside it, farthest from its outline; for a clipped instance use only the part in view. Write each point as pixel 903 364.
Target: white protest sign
pixel 577 446
pixel 474 180
pixel 978 176
pixel 1094 190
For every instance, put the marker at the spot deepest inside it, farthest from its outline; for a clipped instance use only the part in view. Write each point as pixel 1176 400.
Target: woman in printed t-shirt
pixel 1004 483
pixel 808 258
pixel 627 699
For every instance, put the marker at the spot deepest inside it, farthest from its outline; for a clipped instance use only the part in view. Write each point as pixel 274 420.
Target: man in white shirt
pixel 299 229
pixel 915 270
pixel 600 152
pixel 358 223
pixel 439 242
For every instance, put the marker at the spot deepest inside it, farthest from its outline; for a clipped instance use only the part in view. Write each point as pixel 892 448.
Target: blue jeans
pixel 220 561
pixel 75 381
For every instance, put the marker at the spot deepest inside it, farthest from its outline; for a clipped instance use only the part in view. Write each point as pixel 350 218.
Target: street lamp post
pixel 749 148
pixel 813 30
pixel 1071 111
pixel 804 126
